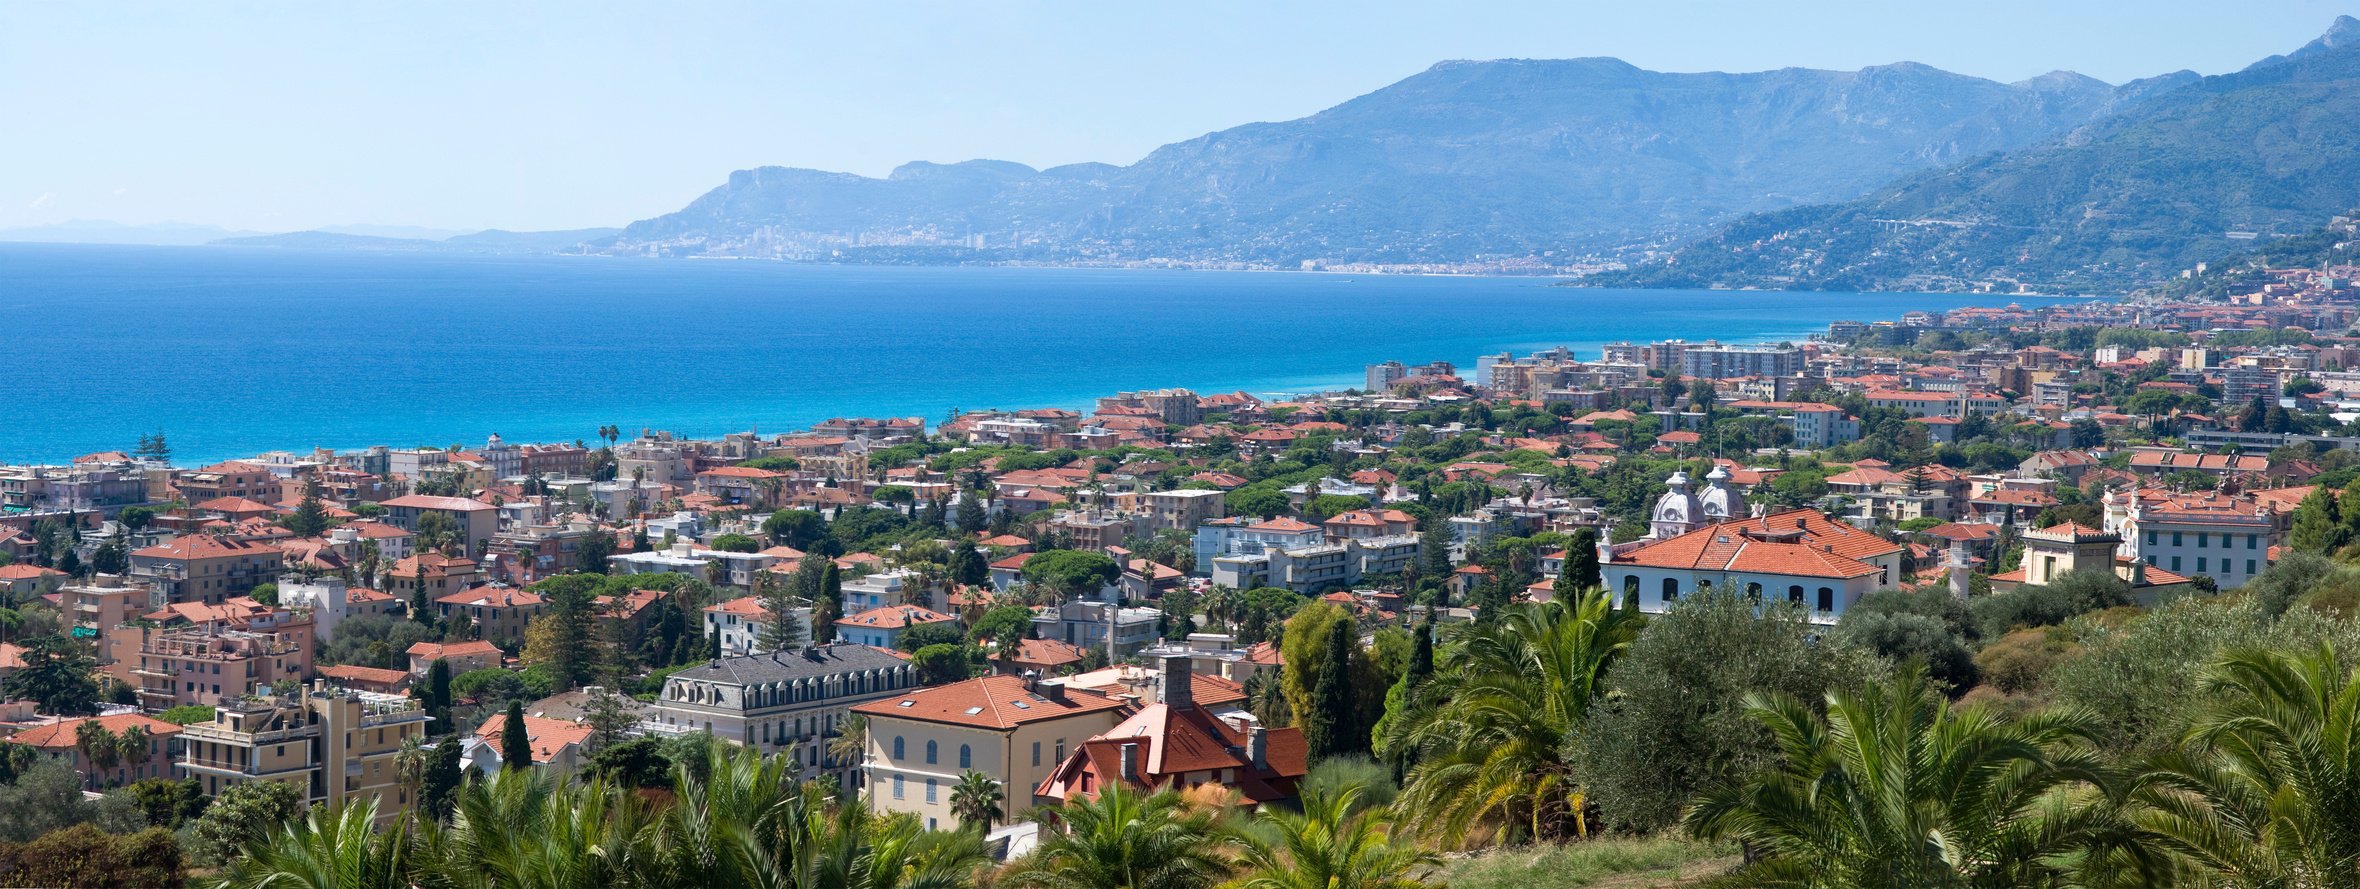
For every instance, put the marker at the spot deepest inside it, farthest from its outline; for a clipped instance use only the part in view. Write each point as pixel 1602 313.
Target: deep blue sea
pixel 232 352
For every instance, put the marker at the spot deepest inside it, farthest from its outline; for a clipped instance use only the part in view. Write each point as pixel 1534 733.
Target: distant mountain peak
pixel 2343 32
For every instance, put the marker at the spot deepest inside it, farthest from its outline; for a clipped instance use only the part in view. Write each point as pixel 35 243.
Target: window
pixel 1631 587
pixel 2150 538
pixel 2249 566
pixel 1060 749
pixel 2176 538
pixel 929 790
pixel 1671 588
pixel 931 749
pixel 1036 754
pixel 2200 536
pixel 1827 599
pixel 1795 594
pixel 899 751
pixel 966 757
pixel 2252 541
pixel 1753 591
pixel 2200 563
pixel 897 780
pixel 2175 563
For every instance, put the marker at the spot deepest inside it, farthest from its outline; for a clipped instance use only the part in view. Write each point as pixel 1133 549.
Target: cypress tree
pixel 516 747
pixel 1581 560
pixel 1329 729
pixel 438 695
pixel 2318 523
pixel 1421 657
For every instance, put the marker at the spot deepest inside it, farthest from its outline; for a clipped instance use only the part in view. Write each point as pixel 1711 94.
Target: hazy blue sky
pixel 291 115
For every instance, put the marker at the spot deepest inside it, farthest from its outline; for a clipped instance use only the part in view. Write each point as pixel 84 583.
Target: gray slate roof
pixel 826 660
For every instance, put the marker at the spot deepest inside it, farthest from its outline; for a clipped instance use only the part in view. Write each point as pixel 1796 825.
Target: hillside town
pixel 970 618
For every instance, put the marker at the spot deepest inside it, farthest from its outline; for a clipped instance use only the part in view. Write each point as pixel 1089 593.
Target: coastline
pixel 244 351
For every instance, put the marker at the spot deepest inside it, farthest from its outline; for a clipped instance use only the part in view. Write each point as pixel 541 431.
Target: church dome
pixel 1678 511
pixel 1718 501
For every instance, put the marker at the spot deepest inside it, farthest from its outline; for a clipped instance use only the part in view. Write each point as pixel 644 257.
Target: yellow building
pixel 1012 729
pixel 336 745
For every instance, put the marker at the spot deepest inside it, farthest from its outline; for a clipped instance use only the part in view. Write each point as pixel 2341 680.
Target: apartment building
pixel 795 698
pixel 1014 730
pixel 204 568
pixel 1246 535
pixel 204 658
pixel 1321 566
pixel 477 520
pixel 234 478
pixel 336 745
pixel 1715 362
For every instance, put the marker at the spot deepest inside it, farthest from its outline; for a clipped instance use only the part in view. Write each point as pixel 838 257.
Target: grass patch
pixel 1618 862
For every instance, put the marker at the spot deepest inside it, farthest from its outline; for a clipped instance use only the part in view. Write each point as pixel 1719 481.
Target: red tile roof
pixel 60 735
pixel 547 737
pixel 995 702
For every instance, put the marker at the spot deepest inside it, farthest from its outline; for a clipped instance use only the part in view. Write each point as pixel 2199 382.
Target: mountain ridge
pixel 2116 204
pixel 1462 161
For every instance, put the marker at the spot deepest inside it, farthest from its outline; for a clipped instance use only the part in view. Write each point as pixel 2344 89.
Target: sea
pixel 236 351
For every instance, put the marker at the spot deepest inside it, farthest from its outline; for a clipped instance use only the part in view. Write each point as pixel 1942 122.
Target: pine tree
pixel 971 517
pixel 311 517
pixel 1434 550
pixel 783 629
pixel 2318 523
pixel 516 747
pixel 564 636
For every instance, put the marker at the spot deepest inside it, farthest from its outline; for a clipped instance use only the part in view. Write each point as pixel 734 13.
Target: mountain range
pixel 2120 203
pixel 1467 160
pixel 1894 177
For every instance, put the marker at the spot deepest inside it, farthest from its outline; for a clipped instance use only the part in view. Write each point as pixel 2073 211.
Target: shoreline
pixel 536 349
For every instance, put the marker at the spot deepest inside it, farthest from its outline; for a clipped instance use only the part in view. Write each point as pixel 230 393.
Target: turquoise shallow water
pixel 232 352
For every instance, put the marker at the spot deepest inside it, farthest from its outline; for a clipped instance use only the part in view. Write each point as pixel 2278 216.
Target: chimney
pixel 1052 689
pixel 1177 687
pixel 1130 762
pixel 1032 681
pixel 1258 747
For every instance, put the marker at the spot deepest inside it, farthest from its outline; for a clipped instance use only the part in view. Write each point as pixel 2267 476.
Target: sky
pixel 285 116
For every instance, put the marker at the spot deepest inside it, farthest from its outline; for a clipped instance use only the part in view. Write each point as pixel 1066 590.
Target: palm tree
pixel 97 745
pixel 518 830
pixel 410 764
pixel 1895 788
pixel 1329 845
pixel 1510 698
pixel 2263 793
pixel 976 801
pixel 851 743
pixel 1123 839
pixel 327 849
pixel 751 823
pixel 135 743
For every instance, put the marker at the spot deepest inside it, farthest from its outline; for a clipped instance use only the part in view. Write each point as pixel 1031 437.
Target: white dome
pixel 1719 502
pixel 1678 511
